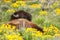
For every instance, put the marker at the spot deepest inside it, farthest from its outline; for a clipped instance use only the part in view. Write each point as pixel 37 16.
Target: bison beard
pixel 23 23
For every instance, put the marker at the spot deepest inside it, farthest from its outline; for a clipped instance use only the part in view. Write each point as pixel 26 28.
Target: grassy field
pixel 45 13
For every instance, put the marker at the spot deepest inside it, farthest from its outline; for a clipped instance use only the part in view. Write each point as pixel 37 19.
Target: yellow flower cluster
pixel 15 5
pixel 43 13
pixel 7 1
pixel 47 31
pixel 52 30
pixel 57 11
pixel 10 32
pixel 18 4
pixel 35 33
pixel 13 37
pixel 22 3
pixel 8 27
pixel 10 11
pixel 35 6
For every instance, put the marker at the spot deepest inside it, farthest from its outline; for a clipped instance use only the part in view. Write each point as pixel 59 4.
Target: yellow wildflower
pixel 38 34
pixel 57 11
pixel 8 26
pixel 2 26
pixel 56 30
pixel 13 27
pixel 43 13
pixel 51 27
pixel 9 32
pixel 22 3
pixel 7 1
pixel 0 30
pixel 10 11
pixel 13 36
pixel 30 29
pixel 45 29
pixel 15 5
pixel 34 32
pixel 35 6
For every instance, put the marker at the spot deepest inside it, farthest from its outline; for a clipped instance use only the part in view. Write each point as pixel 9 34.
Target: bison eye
pixel 16 15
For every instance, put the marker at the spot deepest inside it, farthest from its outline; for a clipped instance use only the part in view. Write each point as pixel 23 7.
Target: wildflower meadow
pixel 45 13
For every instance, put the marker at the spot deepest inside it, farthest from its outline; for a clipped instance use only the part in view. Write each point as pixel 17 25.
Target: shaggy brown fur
pixel 23 23
pixel 21 14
